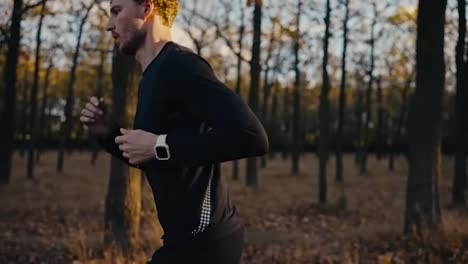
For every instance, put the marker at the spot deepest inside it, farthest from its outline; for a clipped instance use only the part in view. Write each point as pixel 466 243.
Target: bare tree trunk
pixel 100 78
pixel 67 126
pixel 342 99
pixel 273 122
pixel 9 78
pixel 123 200
pixel 461 99
pixel 235 163
pixel 422 204
pixel 35 87
pixel 324 114
pixel 267 87
pixel 286 125
pixel 358 111
pixel 266 95
pixel 380 144
pixel 366 137
pixel 255 69
pixel 24 111
pixel 43 124
pixel 274 117
pixel 400 122
pixel 297 136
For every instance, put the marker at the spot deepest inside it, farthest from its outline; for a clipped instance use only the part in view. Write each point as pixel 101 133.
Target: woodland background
pixel 365 104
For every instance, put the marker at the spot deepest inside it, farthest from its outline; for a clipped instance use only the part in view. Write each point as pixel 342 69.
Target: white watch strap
pixel 161 140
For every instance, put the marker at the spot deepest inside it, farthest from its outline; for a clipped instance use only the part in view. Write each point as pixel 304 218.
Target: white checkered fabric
pixel 205 212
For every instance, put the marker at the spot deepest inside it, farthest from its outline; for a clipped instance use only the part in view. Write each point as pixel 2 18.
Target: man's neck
pixel 151 48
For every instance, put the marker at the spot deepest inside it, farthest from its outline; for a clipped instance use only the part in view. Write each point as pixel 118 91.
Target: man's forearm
pixel 216 146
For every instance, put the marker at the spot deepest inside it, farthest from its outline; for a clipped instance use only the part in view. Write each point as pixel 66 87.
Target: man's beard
pixel 133 44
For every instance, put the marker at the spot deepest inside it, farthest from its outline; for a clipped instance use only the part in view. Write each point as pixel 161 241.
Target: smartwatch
pixel 161 149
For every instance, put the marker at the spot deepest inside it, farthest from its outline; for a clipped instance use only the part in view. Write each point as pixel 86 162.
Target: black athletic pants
pixel 226 250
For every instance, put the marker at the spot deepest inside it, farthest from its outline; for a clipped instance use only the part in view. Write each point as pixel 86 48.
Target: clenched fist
pixel 96 117
pixel 136 145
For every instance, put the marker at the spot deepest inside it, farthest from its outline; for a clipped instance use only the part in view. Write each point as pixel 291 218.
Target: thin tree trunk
pixel 342 100
pixel 42 120
pixel 24 111
pixel 422 204
pixel 273 122
pixel 297 136
pixel 324 113
pixel 99 81
pixel 366 137
pixel 358 110
pixel 266 96
pixel 67 126
pixel 380 144
pixel 274 114
pixel 461 99
pixel 35 87
pixel 267 89
pixel 400 122
pixel 235 163
pixel 255 69
pixel 286 125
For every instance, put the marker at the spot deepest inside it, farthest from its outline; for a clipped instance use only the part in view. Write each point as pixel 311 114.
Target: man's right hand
pixel 95 116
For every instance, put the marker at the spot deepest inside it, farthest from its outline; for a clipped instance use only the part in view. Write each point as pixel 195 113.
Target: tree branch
pixel 220 34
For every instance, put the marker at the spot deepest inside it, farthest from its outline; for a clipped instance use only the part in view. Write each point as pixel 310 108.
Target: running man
pixel 186 123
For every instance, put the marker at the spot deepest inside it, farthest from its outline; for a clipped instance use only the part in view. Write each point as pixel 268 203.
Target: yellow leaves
pixel 289 31
pixel 391 258
pixel 275 20
pixel 258 2
pixel 384 259
pixel 404 15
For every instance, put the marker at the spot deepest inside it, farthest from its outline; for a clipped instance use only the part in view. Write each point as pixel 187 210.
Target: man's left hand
pixel 136 145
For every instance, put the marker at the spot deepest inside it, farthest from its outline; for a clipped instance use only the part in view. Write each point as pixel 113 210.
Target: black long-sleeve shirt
pixel 206 123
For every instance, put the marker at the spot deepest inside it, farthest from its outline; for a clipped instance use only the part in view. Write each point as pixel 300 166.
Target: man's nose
pixel 109 25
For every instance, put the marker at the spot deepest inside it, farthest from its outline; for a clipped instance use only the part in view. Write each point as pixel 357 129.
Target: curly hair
pixel 167 9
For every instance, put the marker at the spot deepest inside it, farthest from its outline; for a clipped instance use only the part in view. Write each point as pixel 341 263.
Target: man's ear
pixel 148 8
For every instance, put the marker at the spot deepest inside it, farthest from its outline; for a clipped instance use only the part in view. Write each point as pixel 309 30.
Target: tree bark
pixel 400 122
pixel 273 122
pixel 9 78
pixel 24 110
pixel 366 136
pixel 297 136
pixel 255 70
pixel 43 124
pixel 67 126
pixel 461 99
pixel 235 163
pixel 422 204
pixel 123 200
pixel 358 111
pixel 342 99
pixel 266 96
pixel 285 129
pixel 99 93
pixel 380 137
pixel 324 113
pixel 33 100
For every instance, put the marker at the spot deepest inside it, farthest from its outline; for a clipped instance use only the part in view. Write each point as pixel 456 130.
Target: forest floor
pixel 58 218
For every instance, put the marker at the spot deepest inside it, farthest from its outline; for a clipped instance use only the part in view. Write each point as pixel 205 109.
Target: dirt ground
pixel 58 218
